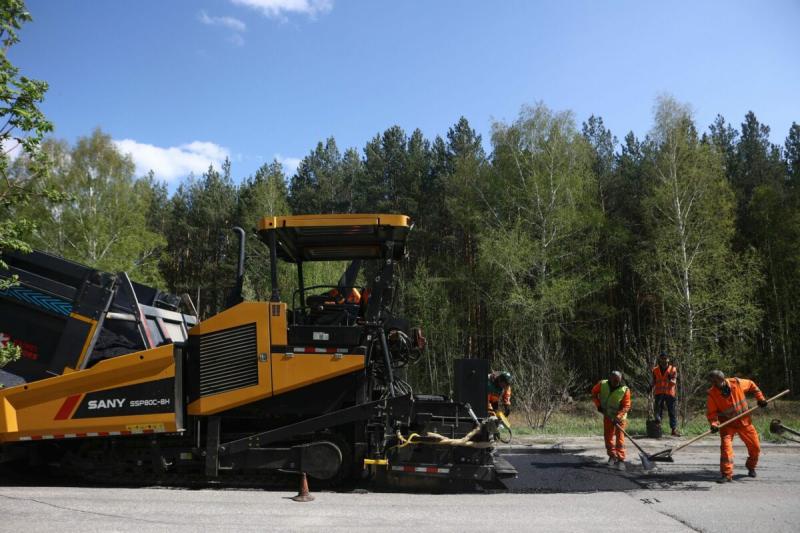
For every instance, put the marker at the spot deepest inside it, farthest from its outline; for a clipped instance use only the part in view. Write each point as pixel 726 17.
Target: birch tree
pixel 103 220
pixel 541 249
pixel 703 290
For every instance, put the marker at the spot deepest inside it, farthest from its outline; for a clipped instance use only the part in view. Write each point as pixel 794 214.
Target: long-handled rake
pixel 666 455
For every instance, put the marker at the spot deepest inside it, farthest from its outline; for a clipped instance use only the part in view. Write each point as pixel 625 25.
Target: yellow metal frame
pixel 238 315
pixel 304 221
pixel 89 338
pixel 30 410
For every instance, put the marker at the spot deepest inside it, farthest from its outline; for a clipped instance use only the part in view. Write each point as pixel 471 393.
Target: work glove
pixel 714 428
pixel 763 403
pixel 506 410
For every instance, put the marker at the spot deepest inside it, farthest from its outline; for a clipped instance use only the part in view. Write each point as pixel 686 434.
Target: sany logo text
pixel 106 404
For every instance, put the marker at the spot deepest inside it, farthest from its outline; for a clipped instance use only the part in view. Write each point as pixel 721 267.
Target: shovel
pixel 666 455
pixel 778 428
pixel 647 464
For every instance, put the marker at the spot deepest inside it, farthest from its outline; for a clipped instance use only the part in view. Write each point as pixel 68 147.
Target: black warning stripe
pixel 143 398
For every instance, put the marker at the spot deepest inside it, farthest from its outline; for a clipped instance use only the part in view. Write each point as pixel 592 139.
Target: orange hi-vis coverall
pixel 615 404
pixel 720 408
pixel 665 381
pixel 352 296
pixel 498 397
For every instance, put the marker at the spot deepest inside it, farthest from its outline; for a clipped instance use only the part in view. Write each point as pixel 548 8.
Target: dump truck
pixel 119 381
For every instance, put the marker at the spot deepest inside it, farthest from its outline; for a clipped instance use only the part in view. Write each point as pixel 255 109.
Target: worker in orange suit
pixel 351 296
pixel 726 399
pixel 613 400
pixel 499 392
pixel 664 386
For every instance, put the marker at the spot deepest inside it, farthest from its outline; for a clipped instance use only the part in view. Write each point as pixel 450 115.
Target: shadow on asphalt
pixel 556 471
pixel 550 470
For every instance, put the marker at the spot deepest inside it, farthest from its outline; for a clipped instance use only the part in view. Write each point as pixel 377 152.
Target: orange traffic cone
pixel 303 495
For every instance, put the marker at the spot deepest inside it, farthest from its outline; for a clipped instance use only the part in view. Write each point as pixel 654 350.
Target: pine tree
pixel 263 195
pixel 200 256
pixel 792 151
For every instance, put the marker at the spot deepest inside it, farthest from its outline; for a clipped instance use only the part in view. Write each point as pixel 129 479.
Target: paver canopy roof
pixel 336 237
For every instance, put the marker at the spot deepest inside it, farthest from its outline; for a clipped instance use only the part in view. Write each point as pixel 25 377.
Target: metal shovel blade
pixel 662 459
pixel 662 456
pixel 777 428
pixel 647 464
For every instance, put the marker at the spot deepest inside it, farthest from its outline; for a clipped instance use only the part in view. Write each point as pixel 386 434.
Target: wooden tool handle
pixel 731 421
pixel 625 433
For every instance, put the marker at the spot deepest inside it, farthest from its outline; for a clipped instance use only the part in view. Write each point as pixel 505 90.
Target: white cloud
pixel 173 162
pixel 11 147
pixel 290 164
pixel 235 25
pixel 227 22
pixel 280 8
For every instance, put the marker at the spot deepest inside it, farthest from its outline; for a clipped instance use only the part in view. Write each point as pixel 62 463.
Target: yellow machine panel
pixel 297 366
pixel 295 370
pixel 231 352
pixel 237 366
pixel 129 394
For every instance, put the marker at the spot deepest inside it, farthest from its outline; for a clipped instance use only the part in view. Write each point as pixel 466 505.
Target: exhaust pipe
pixel 236 295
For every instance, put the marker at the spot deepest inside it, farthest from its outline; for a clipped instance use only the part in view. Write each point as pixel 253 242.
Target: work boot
pixel 675 432
pixel 621 465
pixel 751 472
pixel 725 479
pixel 612 461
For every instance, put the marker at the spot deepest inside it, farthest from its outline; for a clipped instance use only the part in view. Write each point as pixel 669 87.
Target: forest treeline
pixel 558 254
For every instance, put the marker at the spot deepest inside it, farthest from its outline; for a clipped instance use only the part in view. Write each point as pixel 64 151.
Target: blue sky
pixel 180 84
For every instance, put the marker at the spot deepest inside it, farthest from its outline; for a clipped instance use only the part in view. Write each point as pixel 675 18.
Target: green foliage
pixel 9 352
pixel 262 195
pixel 702 291
pixel 104 220
pixel 427 299
pixel 323 181
pixel 200 255
pixel 792 147
pixel 24 127
pixel 540 247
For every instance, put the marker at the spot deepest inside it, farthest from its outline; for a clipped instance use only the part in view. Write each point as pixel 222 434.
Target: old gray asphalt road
pixel 566 491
